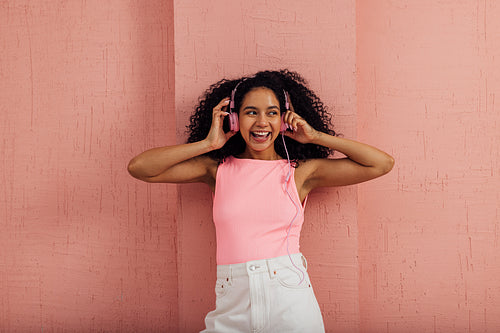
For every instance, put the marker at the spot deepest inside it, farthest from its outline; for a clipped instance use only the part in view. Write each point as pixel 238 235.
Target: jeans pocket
pixel 293 278
pixel 222 286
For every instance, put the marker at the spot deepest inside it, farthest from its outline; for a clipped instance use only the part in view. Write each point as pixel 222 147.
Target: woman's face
pixel 260 123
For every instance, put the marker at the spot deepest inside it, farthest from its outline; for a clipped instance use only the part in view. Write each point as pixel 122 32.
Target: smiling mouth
pixel 260 136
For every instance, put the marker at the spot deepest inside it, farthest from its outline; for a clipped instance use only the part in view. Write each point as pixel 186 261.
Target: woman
pixel 261 169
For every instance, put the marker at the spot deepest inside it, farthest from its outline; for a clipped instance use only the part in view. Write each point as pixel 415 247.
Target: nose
pixel 261 119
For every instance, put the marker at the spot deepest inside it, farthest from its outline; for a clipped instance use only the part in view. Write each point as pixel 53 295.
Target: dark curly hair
pixel 304 101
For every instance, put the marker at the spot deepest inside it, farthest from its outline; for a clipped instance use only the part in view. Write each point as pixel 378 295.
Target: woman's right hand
pixel 184 163
pixel 216 137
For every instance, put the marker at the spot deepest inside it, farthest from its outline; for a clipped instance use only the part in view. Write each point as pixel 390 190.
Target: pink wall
pixel 428 76
pixel 84 85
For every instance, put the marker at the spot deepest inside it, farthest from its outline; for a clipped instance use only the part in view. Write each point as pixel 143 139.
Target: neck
pixel 260 155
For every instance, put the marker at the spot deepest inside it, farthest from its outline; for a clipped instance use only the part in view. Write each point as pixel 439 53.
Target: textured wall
pixel 84 85
pixel 428 76
pixel 216 39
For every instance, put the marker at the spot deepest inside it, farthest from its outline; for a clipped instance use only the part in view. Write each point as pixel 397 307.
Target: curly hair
pixel 304 101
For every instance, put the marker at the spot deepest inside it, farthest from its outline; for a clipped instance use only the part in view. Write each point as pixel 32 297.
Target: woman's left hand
pixel 299 130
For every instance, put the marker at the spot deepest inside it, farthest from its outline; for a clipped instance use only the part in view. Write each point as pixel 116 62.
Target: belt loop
pixel 271 269
pixel 231 272
pixel 304 261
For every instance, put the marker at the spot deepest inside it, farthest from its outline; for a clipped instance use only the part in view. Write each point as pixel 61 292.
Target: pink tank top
pixel 252 211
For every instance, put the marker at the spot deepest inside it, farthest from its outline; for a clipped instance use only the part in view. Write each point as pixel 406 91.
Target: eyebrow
pixel 255 108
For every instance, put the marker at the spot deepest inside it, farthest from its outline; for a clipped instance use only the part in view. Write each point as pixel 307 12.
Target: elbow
pixel 136 169
pixel 387 165
pixel 133 168
pixel 383 167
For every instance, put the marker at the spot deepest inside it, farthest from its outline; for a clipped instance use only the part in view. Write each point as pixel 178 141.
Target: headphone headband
pixel 234 124
pixel 233 94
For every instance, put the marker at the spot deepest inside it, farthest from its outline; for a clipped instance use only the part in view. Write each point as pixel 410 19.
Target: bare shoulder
pixel 209 165
pixel 320 172
pixel 305 169
pixel 327 172
pixel 303 174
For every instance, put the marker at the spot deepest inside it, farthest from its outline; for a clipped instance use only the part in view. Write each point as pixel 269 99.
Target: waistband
pixel 296 260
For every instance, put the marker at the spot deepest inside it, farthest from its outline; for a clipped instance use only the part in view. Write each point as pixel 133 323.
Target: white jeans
pixel 271 295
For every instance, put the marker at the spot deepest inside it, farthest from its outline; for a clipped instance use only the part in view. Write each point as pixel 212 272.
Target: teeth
pixel 261 133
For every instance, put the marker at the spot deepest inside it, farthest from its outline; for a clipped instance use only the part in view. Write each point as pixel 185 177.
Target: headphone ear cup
pixel 284 125
pixel 234 124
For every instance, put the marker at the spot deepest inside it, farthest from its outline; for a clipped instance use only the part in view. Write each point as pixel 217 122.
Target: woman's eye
pixel 273 113
pixel 251 112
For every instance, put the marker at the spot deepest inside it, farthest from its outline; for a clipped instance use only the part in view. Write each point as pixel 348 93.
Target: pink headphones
pixel 234 124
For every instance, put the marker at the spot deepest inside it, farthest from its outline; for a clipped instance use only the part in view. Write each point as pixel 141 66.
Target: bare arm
pixel 363 162
pixel 171 164
pixel 183 163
